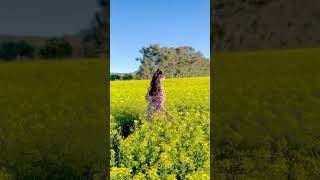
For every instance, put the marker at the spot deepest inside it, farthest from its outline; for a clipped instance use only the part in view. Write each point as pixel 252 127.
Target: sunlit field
pixel 161 149
pixel 52 119
pixel 266 115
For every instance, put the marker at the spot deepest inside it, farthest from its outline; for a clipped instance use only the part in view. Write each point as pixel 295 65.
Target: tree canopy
pixel 15 50
pixel 177 62
pixel 56 48
pixel 96 37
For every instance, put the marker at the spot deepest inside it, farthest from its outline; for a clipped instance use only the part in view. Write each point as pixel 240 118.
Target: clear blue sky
pixel 170 23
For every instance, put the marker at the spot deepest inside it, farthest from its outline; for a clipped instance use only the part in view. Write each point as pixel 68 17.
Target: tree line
pixel 177 62
pixel 52 48
pixel 121 76
pixel 92 42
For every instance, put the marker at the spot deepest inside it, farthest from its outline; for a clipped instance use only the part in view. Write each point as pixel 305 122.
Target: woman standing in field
pixel 156 96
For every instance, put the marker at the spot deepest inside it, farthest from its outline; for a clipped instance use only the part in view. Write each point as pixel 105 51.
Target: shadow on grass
pixel 125 122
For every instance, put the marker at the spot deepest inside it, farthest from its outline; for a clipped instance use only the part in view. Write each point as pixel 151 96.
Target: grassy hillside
pixel 267 122
pixel 52 118
pixel 160 149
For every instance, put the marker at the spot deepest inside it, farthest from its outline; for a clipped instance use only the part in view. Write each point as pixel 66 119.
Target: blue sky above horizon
pixel 170 23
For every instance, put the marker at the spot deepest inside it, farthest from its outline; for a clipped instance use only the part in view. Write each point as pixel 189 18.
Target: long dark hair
pixel 156 82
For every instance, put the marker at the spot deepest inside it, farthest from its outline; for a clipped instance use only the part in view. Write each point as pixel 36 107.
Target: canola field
pixel 266 115
pixel 52 119
pixel 160 149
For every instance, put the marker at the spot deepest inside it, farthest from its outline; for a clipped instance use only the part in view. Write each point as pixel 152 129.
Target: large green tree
pixel 177 62
pixel 95 40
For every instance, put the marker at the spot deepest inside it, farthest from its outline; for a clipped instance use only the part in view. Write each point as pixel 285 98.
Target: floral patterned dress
pixel 155 102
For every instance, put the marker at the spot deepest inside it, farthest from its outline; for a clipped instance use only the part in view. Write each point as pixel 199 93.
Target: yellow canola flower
pixel 115 171
pixel 152 174
pixel 171 177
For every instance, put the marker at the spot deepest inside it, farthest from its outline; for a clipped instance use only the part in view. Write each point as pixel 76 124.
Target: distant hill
pixel 264 24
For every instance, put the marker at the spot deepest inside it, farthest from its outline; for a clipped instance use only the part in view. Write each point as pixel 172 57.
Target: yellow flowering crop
pixel 161 149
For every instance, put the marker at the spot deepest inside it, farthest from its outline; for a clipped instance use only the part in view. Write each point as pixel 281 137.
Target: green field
pixel 52 119
pixel 266 115
pixel 160 149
